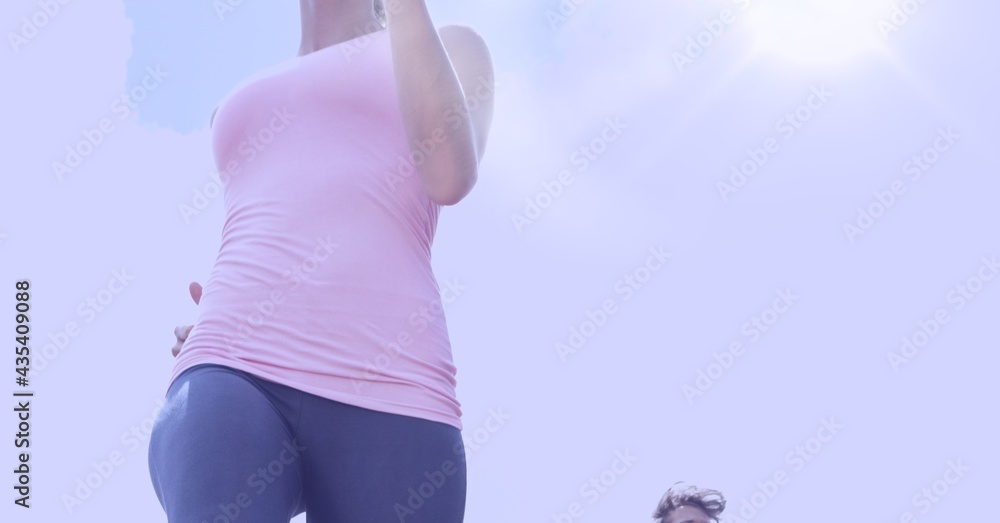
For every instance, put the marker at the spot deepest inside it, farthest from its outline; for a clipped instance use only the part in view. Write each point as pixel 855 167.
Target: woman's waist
pixel 348 347
pixel 314 299
pixel 284 258
pixel 239 273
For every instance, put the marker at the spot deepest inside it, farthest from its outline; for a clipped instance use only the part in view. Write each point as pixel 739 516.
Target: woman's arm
pixel 430 91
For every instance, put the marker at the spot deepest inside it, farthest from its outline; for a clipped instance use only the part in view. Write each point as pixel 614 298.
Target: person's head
pixel 689 504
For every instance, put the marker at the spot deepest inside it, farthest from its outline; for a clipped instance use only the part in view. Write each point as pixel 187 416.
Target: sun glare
pixel 818 31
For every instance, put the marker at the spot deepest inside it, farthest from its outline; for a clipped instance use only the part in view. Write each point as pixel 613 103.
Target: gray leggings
pixel 228 446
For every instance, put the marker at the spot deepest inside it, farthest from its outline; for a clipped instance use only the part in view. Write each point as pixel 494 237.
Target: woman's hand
pixel 181 332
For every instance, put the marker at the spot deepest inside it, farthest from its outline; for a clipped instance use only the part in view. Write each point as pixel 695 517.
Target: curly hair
pixel 708 500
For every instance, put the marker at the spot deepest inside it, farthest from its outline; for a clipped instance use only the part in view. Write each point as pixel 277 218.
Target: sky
pixel 772 271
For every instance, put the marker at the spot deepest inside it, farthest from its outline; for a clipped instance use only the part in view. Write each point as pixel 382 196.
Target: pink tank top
pixel 323 279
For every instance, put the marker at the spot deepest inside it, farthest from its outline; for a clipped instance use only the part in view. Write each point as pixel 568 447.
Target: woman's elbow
pixel 454 188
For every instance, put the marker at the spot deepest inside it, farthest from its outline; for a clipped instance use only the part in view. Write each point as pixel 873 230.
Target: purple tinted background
pixel 526 290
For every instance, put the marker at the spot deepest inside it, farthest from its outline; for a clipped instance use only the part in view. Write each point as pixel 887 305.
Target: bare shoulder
pixel 464 44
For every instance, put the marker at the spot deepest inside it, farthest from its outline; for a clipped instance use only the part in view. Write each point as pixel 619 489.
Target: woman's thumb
pixel 195 289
